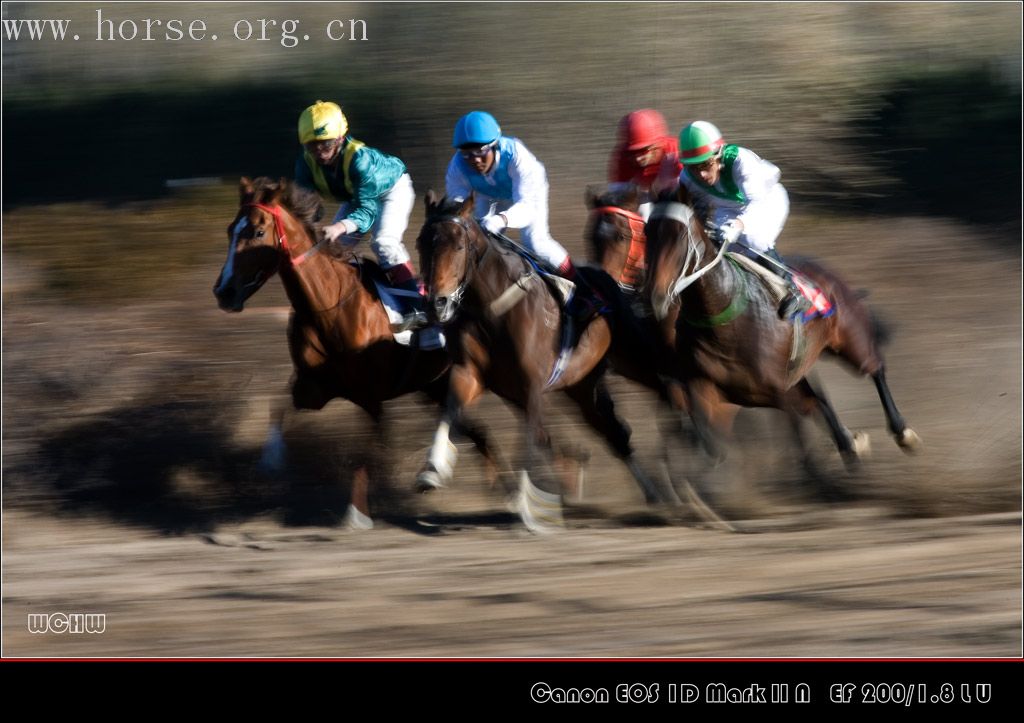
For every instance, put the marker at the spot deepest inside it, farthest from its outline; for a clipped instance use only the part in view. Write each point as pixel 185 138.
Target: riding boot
pixel 584 304
pixel 794 302
pixel 403 277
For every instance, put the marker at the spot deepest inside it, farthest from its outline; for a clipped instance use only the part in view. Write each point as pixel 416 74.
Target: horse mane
pixel 618 196
pixel 303 204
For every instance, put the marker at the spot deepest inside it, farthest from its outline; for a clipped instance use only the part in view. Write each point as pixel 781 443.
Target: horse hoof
pixel 540 511
pixel 356 520
pixel 908 441
pixel 704 511
pixel 428 480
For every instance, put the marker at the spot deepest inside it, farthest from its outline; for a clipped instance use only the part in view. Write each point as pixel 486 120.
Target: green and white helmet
pixel 698 142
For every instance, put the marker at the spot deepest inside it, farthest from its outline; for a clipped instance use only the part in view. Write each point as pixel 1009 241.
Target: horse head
pixel 615 233
pixel 676 245
pixel 257 237
pixel 450 244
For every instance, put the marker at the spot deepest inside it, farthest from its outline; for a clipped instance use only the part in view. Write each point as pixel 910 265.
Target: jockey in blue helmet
pixel 511 191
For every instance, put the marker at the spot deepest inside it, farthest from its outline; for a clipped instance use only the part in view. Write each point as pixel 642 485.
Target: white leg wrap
pixel 443 453
pixel 356 520
pixel 540 511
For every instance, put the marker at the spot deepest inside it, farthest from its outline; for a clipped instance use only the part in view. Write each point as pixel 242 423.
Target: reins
pixel 282 244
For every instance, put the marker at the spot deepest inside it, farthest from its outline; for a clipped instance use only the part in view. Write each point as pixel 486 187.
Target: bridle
pixel 694 255
pixel 282 237
pixel 634 266
pixel 282 245
pixel 446 306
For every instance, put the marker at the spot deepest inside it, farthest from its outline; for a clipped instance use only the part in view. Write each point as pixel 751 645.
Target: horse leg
pixel 712 416
pixel 303 394
pixel 592 397
pixel 539 509
pixel 497 469
pixel 465 387
pixel 274 454
pixel 804 398
pixel 860 348
pixel 906 438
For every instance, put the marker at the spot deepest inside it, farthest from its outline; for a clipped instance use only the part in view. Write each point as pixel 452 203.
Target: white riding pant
pixel 391 223
pixel 762 220
pixel 536 237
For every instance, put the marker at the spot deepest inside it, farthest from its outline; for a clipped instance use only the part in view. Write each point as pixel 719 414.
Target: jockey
pixel 739 193
pixel 646 156
pixel 373 188
pixel 511 188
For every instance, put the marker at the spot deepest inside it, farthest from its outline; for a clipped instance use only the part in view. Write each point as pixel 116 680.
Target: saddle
pixel 775 285
pixel 561 288
pixel 398 303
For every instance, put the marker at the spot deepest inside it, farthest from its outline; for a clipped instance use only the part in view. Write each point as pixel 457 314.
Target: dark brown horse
pixel 339 334
pixel 733 348
pixel 503 328
pixel 617 240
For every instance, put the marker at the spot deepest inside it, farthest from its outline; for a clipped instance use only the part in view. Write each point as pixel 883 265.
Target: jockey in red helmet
pixel 645 155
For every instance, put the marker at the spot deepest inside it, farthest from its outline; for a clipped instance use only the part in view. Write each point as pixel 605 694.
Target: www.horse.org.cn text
pixel 108 28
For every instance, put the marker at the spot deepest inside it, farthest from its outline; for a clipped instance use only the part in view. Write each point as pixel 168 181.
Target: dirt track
pixel 130 439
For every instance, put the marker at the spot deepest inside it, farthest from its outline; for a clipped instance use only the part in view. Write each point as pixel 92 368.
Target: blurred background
pixel 128 393
pixel 895 106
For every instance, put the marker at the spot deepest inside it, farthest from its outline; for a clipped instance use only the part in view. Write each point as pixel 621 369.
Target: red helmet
pixel 642 128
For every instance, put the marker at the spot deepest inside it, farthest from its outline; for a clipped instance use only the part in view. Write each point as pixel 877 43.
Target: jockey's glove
pixel 335 231
pixel 495 223
pixel 729 232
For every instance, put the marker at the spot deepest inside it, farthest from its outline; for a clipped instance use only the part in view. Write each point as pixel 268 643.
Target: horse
pixel 502 321
pixel 616 240
pixel 735 351
pixel 339 334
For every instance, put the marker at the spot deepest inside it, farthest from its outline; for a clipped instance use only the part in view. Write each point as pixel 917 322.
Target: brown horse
pixel 617 240
pixel 339 334
pixel 503 328
pixel 733 348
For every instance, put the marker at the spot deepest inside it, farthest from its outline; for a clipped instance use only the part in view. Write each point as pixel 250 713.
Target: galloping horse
pixel 503 331
pixel 339 334
pixel 616 238
pixel 734 349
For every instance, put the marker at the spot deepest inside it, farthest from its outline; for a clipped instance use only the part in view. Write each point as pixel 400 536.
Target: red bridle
pixel 633 269
pixel 282 237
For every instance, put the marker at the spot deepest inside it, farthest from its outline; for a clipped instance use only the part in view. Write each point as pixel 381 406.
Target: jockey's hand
pixel 336 230
pixel 495 223
pixel 729 232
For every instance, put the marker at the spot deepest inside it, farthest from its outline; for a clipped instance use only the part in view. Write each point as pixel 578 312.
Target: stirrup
pixel 793 305
pixel 412 320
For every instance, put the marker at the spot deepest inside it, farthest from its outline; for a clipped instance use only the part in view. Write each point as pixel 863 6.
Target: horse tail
pixel 881 328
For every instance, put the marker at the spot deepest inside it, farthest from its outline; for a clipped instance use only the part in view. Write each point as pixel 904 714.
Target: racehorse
pixel 616 237
pixel 733 348
pixel 339 334
pixel 502 319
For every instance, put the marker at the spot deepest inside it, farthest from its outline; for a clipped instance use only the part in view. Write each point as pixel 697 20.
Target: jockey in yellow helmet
pixel 373 188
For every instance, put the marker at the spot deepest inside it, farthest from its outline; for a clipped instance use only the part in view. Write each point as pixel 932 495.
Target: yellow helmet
pixel 322 122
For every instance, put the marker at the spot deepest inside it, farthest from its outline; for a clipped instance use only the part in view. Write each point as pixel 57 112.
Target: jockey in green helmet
pixel 740 197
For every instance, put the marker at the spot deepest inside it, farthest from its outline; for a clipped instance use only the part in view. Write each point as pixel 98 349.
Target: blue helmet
pixel 477 128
